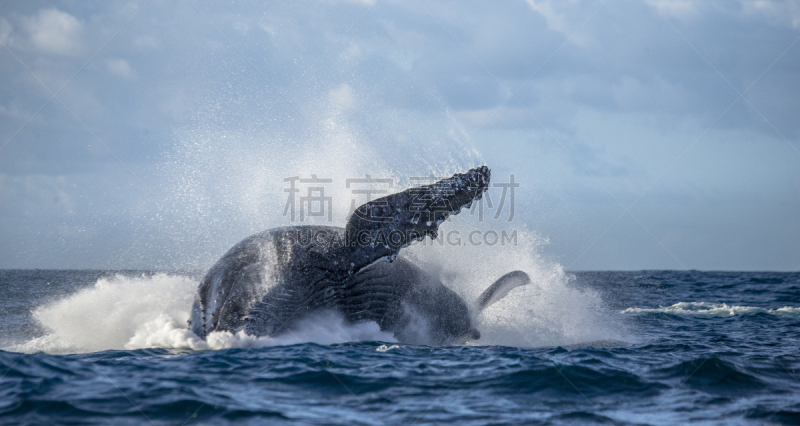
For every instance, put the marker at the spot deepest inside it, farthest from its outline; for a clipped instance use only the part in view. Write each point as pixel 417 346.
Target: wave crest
pixel 714 310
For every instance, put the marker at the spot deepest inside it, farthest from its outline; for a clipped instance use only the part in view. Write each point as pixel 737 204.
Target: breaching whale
pixel 270 280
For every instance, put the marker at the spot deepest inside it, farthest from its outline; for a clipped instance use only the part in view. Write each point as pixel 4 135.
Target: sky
pixel 656 134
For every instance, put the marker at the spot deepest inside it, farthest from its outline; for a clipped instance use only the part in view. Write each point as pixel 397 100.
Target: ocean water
pixel 645 347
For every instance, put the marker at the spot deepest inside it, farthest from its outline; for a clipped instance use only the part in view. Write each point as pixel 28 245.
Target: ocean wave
pixel 714 310
pixel 713 374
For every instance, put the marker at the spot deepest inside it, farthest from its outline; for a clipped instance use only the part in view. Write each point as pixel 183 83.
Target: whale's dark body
pixel 254 288
pixel 270 280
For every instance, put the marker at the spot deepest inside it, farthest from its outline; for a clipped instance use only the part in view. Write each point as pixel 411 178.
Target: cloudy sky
pixel 658 134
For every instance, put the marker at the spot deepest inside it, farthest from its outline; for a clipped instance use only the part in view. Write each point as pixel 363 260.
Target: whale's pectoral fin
pixel 501 287
pixel 380 228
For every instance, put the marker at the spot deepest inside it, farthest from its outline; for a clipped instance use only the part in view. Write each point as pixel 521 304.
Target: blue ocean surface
pixel 658 347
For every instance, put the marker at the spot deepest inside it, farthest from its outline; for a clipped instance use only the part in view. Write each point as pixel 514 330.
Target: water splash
pixel 549 311
pixel 122 312
pixel 151 312
pixel 225 180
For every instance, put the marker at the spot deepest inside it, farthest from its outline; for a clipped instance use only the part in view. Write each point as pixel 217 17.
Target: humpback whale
pixel 270 280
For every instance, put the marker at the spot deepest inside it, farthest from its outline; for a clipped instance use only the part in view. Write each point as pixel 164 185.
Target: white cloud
pixel 674 8
pixel 564 17
pixel 778 10
pixel 620 111
pixel 54 31
pixel 121 68
pixel 555 21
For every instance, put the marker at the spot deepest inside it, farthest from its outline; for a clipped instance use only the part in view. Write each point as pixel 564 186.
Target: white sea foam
pixel 151 312
pixel 386 348
pixel 549 311
pixel 714 310
pixel 123 312
pixel 110 313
